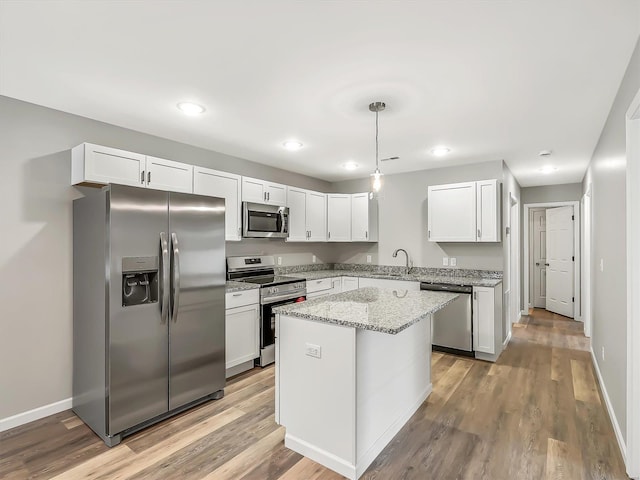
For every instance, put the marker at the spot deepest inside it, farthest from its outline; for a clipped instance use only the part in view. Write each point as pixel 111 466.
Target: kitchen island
pixel 351 369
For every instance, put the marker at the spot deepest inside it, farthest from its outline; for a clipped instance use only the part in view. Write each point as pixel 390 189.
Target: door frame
pixel 529 240
pixel 633 287
pixel 576 250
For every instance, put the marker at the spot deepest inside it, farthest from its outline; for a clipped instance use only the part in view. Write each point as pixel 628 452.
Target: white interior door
pixel 539 259
pixel 560 258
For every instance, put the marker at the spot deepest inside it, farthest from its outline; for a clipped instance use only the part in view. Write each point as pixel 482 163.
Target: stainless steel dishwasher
pixel 452 327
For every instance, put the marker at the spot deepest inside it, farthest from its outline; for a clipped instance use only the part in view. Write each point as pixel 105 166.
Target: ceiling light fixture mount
pixel 350 165
pixel 376 183
pixel 440 150
pixel 189 108
pixel 292 145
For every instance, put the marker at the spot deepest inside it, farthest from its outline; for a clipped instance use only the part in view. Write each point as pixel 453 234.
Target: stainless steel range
pixel 275 290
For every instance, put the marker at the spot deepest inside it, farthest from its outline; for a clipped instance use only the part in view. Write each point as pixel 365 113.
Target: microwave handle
pixel 282 222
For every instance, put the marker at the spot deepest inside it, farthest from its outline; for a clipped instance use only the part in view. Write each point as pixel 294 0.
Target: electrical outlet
pixel 368 258
pixel 445 261
pixel 279 260
pixel 453 262
pixel 603 354
pixel 312 350
pixel 313 258
pixel 602 264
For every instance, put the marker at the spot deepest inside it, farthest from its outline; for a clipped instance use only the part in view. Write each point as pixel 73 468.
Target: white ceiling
pixel 490 79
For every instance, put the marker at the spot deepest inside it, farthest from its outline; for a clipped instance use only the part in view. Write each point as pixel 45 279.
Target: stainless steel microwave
pixel 264 221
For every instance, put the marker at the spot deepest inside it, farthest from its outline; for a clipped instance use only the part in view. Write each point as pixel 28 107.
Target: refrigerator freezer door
pixel 138 336
pixel 197 324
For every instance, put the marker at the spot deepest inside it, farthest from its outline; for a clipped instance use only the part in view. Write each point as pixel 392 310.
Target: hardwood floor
pixel 535 414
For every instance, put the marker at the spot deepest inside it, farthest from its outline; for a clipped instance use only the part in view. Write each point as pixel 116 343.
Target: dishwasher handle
pixel 443 287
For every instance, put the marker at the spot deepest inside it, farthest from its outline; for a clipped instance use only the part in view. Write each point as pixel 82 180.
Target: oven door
pixel 264 221
pixel 268 320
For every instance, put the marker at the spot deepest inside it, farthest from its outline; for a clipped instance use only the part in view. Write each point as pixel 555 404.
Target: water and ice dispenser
pixel 139 280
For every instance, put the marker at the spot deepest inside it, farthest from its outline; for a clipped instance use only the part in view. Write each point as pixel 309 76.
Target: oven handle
pixel 283 297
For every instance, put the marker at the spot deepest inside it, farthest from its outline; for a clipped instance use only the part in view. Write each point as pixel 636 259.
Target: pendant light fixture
pixel 376 180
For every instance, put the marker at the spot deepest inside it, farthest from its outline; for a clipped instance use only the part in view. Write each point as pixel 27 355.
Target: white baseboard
pixel 35 414
pixel 612 415
pixel 506 341
pixel 321 456
pixel 523 313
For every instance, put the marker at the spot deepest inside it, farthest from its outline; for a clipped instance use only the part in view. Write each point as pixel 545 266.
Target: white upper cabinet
pixel 364 218
pixel 307 215
pixel 339 217
pixel 464 212
pixel 451 211
pixel 488 211
pixel 317 216
pixel 95 164
pixel 297 203
pixel 169 175
pixel 260 191
pixel 227 186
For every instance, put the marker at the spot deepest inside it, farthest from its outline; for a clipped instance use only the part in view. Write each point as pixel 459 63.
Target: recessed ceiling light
pixel 548 169
pixel 292 145
pixel 350 165
pixel 440 150
pixel 189 108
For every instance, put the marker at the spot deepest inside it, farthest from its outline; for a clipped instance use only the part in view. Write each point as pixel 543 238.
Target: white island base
pixel 343 393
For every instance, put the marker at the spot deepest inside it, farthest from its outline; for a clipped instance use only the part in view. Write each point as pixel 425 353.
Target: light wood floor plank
pixel 584 385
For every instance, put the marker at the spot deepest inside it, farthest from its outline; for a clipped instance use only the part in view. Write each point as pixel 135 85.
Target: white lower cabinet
pixel 242 337
pixel 350 283
pixel 487 322
pixel 323 287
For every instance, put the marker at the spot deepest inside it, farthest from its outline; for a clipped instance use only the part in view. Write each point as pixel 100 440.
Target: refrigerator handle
pixel 175 281
pixel 164 277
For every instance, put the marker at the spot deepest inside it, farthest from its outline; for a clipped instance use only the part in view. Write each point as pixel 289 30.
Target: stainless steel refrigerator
pixel 148 306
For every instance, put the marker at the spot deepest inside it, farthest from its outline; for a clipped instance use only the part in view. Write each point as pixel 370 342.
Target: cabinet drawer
pixel 244 297
pixel 318 285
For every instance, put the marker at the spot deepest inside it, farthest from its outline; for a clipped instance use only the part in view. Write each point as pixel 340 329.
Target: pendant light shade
pixel 376 176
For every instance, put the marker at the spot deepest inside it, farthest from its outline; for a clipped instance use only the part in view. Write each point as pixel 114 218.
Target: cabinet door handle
pixel 239 231
pixel 475 295
pixel 329 235
pixel 142 177
pixel 428 233
pixel 479 234
pixel 237 294
pixel 149 177
pixel 366 234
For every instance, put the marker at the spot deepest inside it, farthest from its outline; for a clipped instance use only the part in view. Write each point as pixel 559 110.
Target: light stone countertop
pixel 475 281
pixel 378 309
pixel 233 286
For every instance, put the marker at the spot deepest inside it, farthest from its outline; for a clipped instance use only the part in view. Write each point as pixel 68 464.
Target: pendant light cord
pixel 377 140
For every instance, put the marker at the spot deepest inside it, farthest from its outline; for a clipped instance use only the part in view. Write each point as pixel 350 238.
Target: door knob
pixel 547 264
pixel 537 264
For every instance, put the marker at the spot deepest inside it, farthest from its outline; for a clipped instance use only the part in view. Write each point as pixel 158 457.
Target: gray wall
pixel 36 226
pixel 551 193
pixel 607 176
pixel 402 207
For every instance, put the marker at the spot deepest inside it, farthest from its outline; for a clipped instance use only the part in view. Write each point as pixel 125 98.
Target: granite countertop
pixel 233 286
pixel 378 309
pixel 476 281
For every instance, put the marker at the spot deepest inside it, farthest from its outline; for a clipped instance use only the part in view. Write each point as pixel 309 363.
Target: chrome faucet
pixel 395 254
